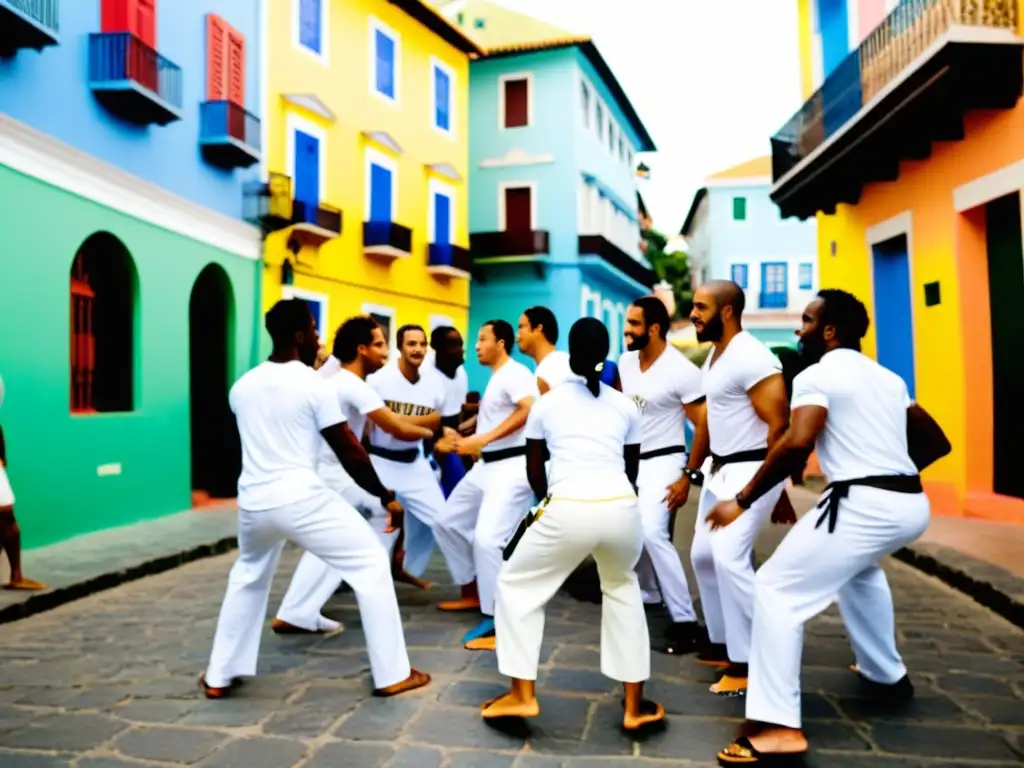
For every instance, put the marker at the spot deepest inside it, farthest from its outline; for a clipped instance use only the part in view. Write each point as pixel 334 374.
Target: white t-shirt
pixel 865 431
pixel 585 436
pixel 733 424
pixel 555 370
pixel 660 393
pixel 406 399
pixel 356 399
pixel 281 409
pixel 455 389
pixel 511 383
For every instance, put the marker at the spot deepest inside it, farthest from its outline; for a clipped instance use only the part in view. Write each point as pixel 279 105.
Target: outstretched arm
pixel 400 427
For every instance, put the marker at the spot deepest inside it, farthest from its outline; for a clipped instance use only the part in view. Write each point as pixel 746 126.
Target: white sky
pixel 711 79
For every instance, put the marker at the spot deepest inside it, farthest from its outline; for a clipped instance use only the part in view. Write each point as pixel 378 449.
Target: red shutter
pixel 145 22
pixel 83 343
pixel 117 16
pixel 216 49
pixel 516 103
pixel 236 68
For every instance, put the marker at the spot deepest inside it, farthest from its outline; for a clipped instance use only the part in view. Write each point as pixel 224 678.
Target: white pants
pixel 810 569
pixel 479 518
pixel 550 550
pixel 420 493
pixel 721 559
pixel 660 554
pixel 6 494
pixel 332 530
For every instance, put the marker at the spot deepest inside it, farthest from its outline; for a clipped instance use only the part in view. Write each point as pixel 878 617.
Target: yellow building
pixel 365 136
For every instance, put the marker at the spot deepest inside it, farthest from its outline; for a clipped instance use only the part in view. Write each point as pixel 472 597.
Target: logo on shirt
pixel 640 403
pixel 408 409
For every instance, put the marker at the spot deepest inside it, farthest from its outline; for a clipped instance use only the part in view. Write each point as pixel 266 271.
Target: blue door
pixel 894 324
pixel 834 23
pixel 316 308
pixel 307 168
pixel 442 219
pixel 380 193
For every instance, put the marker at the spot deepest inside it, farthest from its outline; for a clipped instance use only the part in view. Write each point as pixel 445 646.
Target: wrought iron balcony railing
pixel 28 24
pixel 132 80
pixel 230 136
pixel 484 245
pixel 444 258
pixel 386 238
pixel 322 216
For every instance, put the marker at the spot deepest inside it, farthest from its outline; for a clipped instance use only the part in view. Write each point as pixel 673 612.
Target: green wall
pixel 53 456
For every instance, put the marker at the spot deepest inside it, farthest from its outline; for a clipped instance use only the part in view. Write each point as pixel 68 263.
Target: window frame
pixel 506 185
pixel 383 310
pixel 586 97
pixel 373 157
pixel 807 285
pixel 746 210
pixel 739 265
pixel 438 187
pixel 293 123
pixel 323 55
pixel 376 25
pixel 511 77
pixel 436 65
pixel 295 292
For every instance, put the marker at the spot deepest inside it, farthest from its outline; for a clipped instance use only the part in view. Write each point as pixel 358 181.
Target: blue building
pixel 128 130
pixel 733 231
pixel 553 211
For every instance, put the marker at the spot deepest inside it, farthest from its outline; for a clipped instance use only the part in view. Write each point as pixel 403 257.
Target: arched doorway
pixel 216 449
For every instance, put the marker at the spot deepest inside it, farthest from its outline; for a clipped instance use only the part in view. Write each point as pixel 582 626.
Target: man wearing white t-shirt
pixel 747 412
pixel 359 350
pixel 538 334
pixel 485 508
pixel 284 411
pixel 872 441
pixel 665 385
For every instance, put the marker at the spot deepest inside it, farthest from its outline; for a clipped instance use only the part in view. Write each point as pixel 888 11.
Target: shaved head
pixel 717 309
pixel 726 293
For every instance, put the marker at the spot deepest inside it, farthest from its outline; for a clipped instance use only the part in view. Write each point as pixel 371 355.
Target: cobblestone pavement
pixel 110 681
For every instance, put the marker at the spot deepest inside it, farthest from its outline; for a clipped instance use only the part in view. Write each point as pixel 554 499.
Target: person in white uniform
pixel 10 533
pixel 592 434
pixel 486 506
pixel 284 411
pixel 447 359
pixel 872 442
pixel 537 336
pixel 359 349
pixel 665 385
pixel 747 412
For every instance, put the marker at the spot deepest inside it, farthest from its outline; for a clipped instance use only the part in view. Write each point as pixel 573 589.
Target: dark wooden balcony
pixel 613 256
pixel 229 137
pixel 909 84
pixel 268 204
pixel 31 24
pixel 450 260
pixel 386 239
pixel 314 223
pixel 132 80
pixel 509 245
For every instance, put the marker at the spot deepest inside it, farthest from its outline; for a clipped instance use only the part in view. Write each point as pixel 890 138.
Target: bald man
pixel 747 412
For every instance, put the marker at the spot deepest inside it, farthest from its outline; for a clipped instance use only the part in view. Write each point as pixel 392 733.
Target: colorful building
pixel 734 232
pixel 909 152
pixel 365 198
pixel 127 285
pixel 553 217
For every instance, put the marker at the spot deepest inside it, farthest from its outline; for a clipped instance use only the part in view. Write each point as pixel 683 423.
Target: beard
pixel 811 348
pixel 636 343
pixel 713 330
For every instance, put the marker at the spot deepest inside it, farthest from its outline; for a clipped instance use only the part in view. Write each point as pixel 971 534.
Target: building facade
pixel 554 213
pixel 908 151
pixel 734 232
pixel 365 194
pixel 127 130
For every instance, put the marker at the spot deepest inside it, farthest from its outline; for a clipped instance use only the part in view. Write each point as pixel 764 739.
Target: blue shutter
pixel 442 96
pixel 309 24
pixel 317 309
pixel 385 48
pixel 773 285
pixel 806 276
pixel 442 219
pixel 380 193
pixel 739 275
pixel 307 168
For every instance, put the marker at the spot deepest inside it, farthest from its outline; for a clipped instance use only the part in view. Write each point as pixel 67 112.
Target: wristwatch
pixel 695 476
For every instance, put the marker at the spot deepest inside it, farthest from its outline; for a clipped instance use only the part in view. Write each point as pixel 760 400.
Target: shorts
pixel 6 494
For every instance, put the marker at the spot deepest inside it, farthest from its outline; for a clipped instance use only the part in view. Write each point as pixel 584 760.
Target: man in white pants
pixel 359 350
pixel 284 410
pixel 537 336
pixel 872 442
pixel 747 412
pixel 664 384
pixel 486 506
pixel 447 360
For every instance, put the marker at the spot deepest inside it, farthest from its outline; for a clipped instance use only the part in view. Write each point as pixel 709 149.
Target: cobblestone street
pixel 110 681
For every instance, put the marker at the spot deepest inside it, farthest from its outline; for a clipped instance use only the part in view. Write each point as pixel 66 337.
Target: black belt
pixel 757 454
pixel 406 456
pixel 503 453
pixel 840 489
pixel 669 451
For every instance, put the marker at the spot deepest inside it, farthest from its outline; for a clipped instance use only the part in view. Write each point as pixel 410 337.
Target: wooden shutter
pixel 216 57
pixel 518 210
pixel 236 68
pixel 145 22
pixel 516 103
pixel 117 16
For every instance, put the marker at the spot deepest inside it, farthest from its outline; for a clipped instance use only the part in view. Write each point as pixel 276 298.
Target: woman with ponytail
pixel 587 507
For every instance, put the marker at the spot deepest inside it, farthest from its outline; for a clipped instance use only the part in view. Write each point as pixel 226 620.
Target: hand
pixel 784 514
pixel 678 493
pixel 395 515
pixel 723 513
pixel 446 443
pixel 469 446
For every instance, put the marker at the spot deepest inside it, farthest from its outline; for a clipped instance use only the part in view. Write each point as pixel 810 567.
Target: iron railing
pixel 387 233
pixel 509 243
pixel 317 214
pixel 888 50
pixel 44 12
pixel 120 56
pixel 225 118
pixel 446 255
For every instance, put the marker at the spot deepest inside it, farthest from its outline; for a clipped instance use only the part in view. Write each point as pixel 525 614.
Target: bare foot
pixel 482 644
pixel 25 584
pixel 779 741
pixel 648 712
pixel 462 604
pixel 510 705
pixel 404 577
pixel 415 680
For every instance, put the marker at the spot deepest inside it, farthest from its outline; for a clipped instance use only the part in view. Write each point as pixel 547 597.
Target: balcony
pixel 268 204
pixel 448 260
pixel 132 80
pixel 386 240
pixel 313 224
pixel 613 256
pixel 28 24
pixel 909 84
pixel 229 137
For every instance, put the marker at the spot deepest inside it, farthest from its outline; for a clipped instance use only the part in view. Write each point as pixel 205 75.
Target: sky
pixel 711 79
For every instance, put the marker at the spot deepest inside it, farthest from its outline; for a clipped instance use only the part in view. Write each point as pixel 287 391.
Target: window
pixel 135 16
pixel 311 26
pixel 479 23
pixel 442 97
pixel 306 159
pixel 442 213
pixel 317 303
pixel 225 67
pixel 806 276
pixel 611 135
pixel 102 343
pixel 739 209
pixel 622 148
pixel 600 122
pixel 381 187
pixel 773 285
pixel 629 160
pixel 385 63
pixel 516 213
pixel 585 103
pixel 385 317
pixel 515 101
pixel 739 275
